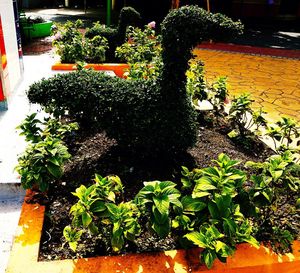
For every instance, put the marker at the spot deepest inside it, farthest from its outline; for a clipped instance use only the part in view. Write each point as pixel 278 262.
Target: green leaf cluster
pixel 72 46
pixel 142 52
pixel 214 210
pixel 212 214
pixel 42 163
pixel 43 160
pixel 278 175
pixel 158 197
pixel 115 36
pixel 97 206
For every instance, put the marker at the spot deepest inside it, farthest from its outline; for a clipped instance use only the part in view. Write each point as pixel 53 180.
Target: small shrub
pixel 115 37
pixel 142 52
pixel 283 133
pixel 73 47
pixel 97 207
pixel 43 159
pixel 157 199
pixel 274 181
pixel 42 163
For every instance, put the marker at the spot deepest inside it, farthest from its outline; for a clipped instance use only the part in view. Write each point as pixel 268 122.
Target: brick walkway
pixel 273 82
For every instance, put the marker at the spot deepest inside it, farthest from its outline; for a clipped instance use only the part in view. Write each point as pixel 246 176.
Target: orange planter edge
pixel 24 256
pixel 119 69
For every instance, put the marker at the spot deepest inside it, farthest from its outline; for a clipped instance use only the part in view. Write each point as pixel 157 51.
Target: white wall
pixel 10 38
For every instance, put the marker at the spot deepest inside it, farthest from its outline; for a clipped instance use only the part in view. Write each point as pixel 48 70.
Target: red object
pixel 3 61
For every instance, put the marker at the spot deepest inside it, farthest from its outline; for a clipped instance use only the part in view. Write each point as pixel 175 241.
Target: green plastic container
pixel 38 30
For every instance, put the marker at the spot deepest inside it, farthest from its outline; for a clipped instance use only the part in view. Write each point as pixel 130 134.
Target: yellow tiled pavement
pixel 274 83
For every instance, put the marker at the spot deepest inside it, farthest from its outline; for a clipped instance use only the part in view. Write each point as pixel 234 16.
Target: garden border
pixel 247 259
pixel 118 68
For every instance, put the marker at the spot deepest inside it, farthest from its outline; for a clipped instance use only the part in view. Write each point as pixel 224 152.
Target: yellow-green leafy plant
pixel 142 52
pixel 43 160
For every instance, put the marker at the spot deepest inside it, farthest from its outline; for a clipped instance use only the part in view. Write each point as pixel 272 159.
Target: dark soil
pixel 98 154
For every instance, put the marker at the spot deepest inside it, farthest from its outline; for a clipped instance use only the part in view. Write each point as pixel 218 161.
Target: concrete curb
pixel 11 199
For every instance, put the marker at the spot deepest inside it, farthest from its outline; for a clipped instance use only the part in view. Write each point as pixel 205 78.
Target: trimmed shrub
pixel 115 36
pixel 147 116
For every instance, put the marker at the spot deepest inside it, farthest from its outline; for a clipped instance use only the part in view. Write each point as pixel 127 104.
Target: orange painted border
pixel 24 256
pixel 119 69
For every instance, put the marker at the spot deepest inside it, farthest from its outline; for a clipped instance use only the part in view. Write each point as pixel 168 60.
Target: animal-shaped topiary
pixel 150 117
pixel 115 36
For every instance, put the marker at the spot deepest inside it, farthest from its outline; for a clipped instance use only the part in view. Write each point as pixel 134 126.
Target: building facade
pixel 11 68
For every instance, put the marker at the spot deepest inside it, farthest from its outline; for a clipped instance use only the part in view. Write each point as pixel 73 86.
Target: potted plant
pixel 35 27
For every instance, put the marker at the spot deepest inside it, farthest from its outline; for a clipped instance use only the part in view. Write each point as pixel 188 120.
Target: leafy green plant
pixel 195 85
pixel 56 129
pixel 190 215
pixel 221 245
pixel 72 236
pixel 115 36
pixel 209 239
pixel 218 96
pixel 214 209
pixel 221 179
pixel 92 201
pixel 36 130
pixel 95 49
pixel 158 198
pixel 43 160
pixel 72 46
pixel 124 218
pixel 30 128
pixel 245 122
pixel 68 42
pixel 42 163
pixel 283 133
pixel 275 176
pixel 142 52
pixel 275 179
pixel 240 107
pixel 97 206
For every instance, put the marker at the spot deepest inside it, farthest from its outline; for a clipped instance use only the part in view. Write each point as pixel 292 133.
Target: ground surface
pixel 272 82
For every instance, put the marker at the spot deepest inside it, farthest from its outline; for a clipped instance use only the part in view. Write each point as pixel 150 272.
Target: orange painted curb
pixel 119 69
pixel 24 256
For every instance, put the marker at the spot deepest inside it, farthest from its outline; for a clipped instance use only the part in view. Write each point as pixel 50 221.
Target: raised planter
pixel 247 259
pixel 119 69
pixel 37 30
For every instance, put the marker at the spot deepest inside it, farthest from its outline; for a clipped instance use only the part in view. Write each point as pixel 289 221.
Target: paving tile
pixel 274 82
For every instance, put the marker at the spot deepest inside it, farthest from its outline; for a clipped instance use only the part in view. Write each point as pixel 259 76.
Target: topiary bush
pixel 145 116
pixel 115 36
pixel 75 94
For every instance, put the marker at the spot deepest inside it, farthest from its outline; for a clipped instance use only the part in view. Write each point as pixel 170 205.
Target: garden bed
pixel 170 196
pixel 95 153
pixel 24 256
